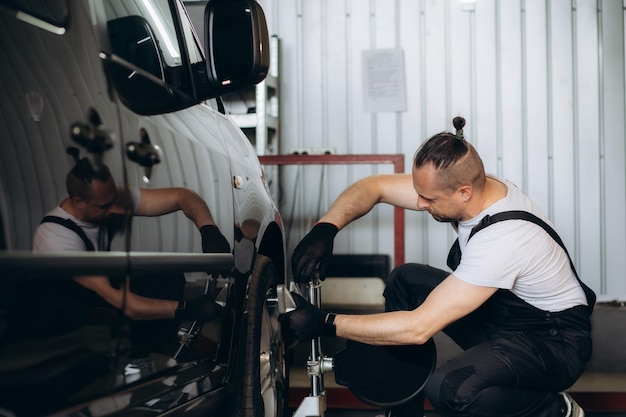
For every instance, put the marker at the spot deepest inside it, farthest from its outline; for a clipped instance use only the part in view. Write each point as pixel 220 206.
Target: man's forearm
pixel 144 308
pixel 354 202
pixel 391 328
pixel 161 201
pixel 363 195
pixel 195 208
pixel 135 306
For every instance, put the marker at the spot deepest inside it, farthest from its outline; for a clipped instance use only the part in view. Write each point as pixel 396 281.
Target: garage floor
pixel 599 391
pixel 370 413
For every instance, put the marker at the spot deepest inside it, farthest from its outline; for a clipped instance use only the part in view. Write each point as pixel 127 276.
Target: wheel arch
pixel 272 245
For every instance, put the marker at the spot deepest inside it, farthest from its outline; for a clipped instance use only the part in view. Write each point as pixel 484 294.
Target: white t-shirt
pixel 50 237
pixel 519 256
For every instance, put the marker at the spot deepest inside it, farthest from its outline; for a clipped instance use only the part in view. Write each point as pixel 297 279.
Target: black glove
pixel 313 251
pixel 201 308
pixel 213 240
pixel 306 322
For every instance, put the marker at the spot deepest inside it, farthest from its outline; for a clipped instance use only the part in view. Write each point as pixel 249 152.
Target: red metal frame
pixel 397 160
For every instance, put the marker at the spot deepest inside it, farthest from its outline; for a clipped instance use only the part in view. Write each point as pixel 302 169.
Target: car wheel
pixel 265 378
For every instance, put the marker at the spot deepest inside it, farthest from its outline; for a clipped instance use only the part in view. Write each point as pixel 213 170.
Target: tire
pixel 265 375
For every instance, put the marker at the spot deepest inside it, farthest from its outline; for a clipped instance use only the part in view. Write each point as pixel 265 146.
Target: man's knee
pixel 409 285
pixel 442 390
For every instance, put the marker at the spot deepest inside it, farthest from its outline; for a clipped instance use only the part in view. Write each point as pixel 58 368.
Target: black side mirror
pixel 132 39
pixel 237 40
pixel 152 71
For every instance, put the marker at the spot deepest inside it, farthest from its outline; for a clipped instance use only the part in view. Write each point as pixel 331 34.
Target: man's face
pixel 441 204
pixel 98 207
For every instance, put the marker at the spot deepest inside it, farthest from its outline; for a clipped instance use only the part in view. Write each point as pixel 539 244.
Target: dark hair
pixel 455 160
pixel 79 178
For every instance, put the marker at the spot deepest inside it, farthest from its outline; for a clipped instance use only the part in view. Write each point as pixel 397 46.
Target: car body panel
pixel 51 83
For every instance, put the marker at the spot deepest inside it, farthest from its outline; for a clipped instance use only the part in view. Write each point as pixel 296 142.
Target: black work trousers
pixel 502 371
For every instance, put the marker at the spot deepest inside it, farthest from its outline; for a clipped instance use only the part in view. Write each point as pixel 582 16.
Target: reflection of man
pixel 513 301
pixel 92 200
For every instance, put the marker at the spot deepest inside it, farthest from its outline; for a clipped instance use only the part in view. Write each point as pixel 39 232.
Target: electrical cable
pixel 322 189
pixel 293 205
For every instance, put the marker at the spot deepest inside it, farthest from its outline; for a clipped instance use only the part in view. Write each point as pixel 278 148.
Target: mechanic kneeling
pixel 514 302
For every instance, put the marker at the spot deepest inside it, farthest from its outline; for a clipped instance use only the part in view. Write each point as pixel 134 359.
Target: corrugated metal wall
pixel 540 82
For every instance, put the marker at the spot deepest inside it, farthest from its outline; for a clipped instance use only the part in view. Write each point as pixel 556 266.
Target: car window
pixel 157 14
pixel 191 38
pixel 143 33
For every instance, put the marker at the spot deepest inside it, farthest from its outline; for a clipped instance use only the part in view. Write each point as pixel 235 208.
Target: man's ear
pixel 466 192
pixel 78 203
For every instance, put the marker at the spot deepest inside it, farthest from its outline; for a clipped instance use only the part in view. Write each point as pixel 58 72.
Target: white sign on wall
pixel 384 87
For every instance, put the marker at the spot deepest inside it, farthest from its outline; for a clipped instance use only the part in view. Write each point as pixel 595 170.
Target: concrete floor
pixel 606 373
pixel 597 388
pixel 373 413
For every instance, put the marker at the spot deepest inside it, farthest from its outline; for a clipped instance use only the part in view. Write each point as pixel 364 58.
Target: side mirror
pixel 237 42
pixel 156 66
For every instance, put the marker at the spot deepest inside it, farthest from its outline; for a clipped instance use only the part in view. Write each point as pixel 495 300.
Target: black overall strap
pixel 73 227
pixel 524 215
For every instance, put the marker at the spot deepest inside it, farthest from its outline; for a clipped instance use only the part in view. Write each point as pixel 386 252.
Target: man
pixel 92 201
pixel 513 303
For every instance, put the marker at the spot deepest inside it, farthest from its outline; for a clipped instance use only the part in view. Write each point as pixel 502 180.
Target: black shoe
pixel 573 409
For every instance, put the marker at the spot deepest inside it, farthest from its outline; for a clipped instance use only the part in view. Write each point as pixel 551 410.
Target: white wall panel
pixel 536 124
pixel 540 82
pixel 510 97
pixel 562 197
pixel 361 234
pixel 483 120
pixel 411 32
pixel 460 72
pixel 613 213
pixel 336 76
pixel 587 252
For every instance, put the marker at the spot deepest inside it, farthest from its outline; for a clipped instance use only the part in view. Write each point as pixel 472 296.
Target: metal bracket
pixel 314 405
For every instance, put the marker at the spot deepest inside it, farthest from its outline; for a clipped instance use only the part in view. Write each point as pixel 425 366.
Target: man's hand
pixel 313 251
pixel 213 240
pixel 307 321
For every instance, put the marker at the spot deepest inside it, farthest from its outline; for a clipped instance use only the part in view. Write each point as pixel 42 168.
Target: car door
pixel 57 348
pixel 63 345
